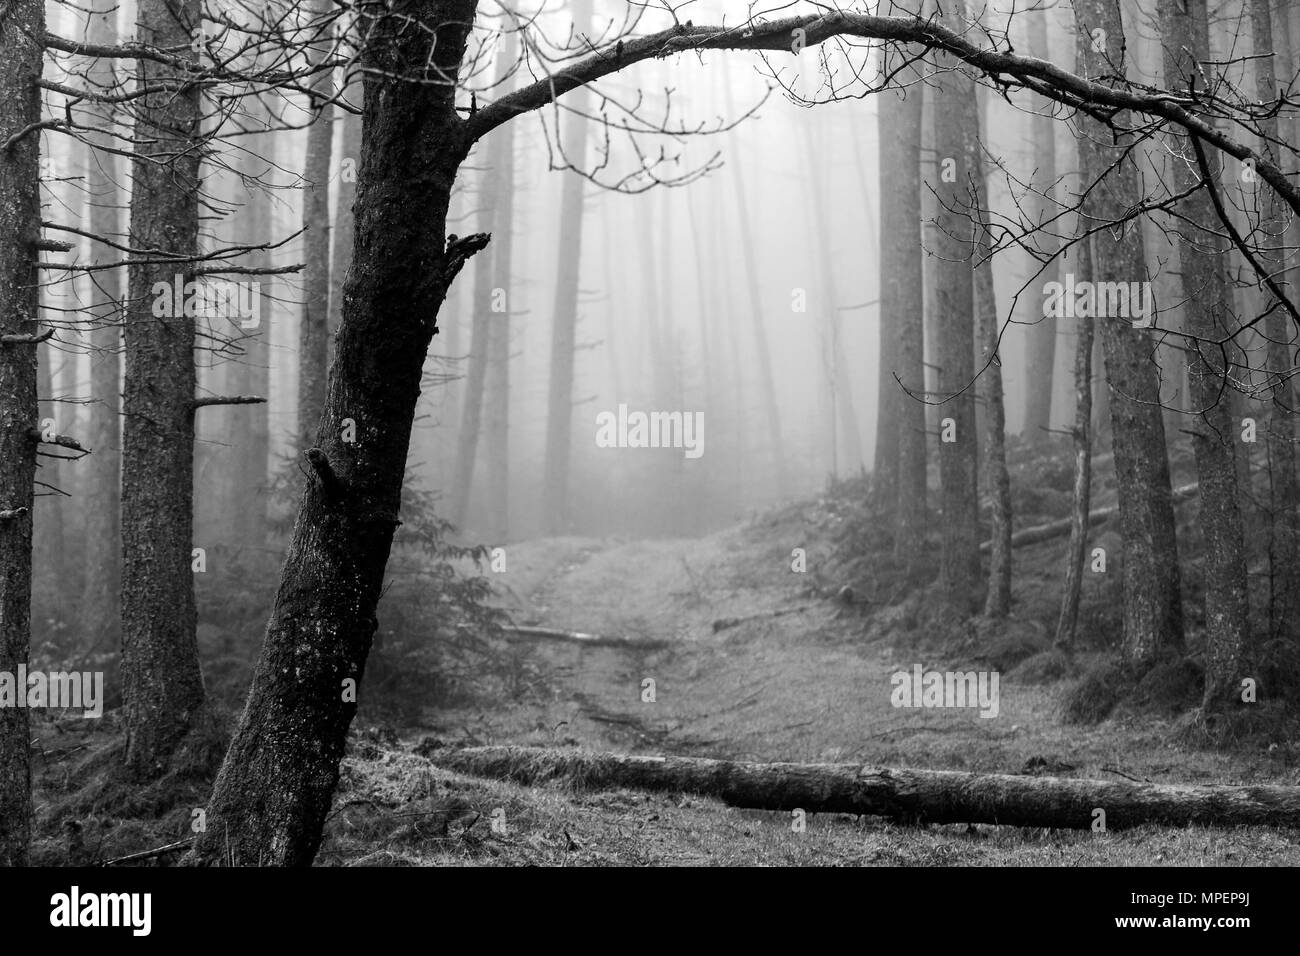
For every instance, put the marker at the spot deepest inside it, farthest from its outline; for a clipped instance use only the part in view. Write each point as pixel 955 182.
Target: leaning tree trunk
pixel 1082 435
pixel 1153 616
pixel 100 611
pixel 908 796
pixel 273 792
pixel 559 401
pixel 163 688
pixel 21 29
pixel 956 147
pixel 313 327
pixel 1184 28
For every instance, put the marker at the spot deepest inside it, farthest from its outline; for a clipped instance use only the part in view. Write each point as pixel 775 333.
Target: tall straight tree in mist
pixel 496 398
pixel 1039 208
pixel 1206 301
pixel 564 317
pixel 902 325
pixel 956 145
pixel 100 610
pixel 1283 489
pixel 163 688
pixel 21 29
pixel 1153 617
pixel 313 328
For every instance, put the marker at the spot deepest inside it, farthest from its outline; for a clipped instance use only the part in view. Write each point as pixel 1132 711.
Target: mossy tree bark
pixel 21 26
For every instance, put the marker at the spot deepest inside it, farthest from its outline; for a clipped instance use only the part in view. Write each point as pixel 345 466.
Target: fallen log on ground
pixel 1061 527
pixel 911 796
pixel 581 637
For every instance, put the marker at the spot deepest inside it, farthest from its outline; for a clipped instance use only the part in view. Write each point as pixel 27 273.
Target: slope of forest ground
pixel 750 660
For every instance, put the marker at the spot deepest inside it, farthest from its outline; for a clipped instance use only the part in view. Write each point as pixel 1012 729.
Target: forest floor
pixel 750 660
pixel 793 674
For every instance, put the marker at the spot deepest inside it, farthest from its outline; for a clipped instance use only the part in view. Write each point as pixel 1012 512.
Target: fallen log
pixel 910 796
pixel 581 637
pixel 1061 527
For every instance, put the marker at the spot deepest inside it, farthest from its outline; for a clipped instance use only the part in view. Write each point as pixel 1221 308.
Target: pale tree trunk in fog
pixel 957 153
pixel 564 317
pixel 50 558
pixel 902 308
pixel 1082 434
pixel 1041 339
pixel 163 688
pixel 248 429
pixel 100 612
pixel 20 215
pixel 496 399
pixel 767 382
pixel 841 390
pixel 1184 28
pixel 997 603
pixel 345 191
pixel 476 376
pixel 271 798
pixel 1153 617
pixel 313 327
pixel 1284 523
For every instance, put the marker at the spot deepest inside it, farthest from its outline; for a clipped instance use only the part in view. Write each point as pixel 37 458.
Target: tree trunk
pixel 476 375
pixel 163 688
pixel 766 380
pixel 1153 616
pixel 21 29
pixel 100 608
pixel 564 317
pixel 1082 435
pixel 902 290
pixel 313 328
pixel 1284 521
pixel 1184 29
pixel 905 795
pixel 957 150
pixel 1040 357
pixel 273 792
pixel 997 603
pixel 345 194
pixel 496 402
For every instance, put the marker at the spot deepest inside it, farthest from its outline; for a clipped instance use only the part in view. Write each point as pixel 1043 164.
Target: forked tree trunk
pixel 905 795
pixel 1153 616
pixel 21 28
pixel 163 688
pixel 1184 29
pixel 273 792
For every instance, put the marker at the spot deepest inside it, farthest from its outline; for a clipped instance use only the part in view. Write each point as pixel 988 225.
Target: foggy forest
pixel 649 433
